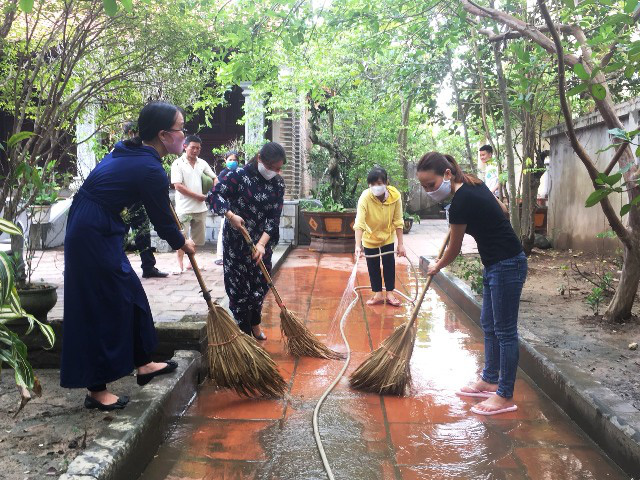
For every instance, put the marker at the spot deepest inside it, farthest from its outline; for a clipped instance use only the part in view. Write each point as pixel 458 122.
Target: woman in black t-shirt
pixel 475 211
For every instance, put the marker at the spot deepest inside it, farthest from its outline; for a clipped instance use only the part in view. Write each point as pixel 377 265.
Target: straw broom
pixel 236 360
pixel 298 339
pixel 387 369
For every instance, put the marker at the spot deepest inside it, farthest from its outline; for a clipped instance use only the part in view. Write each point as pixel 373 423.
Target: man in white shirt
pixel 487 172
pixel 186 177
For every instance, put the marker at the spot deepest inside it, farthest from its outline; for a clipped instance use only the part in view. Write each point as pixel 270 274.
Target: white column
pixel 253 114
pixel 85 136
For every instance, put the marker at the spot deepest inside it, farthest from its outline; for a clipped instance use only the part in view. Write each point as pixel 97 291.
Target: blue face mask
pixel 232 165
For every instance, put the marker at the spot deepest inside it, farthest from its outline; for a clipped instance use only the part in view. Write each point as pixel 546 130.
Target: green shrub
pixel 471 270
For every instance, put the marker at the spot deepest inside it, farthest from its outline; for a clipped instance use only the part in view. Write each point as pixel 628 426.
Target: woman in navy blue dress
pixel 252 196
pixel 108 328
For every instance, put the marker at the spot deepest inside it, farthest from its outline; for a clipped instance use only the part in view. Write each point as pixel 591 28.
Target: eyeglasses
pixel 183 130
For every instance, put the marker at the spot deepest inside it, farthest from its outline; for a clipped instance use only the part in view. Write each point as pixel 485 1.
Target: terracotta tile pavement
pixel 428 434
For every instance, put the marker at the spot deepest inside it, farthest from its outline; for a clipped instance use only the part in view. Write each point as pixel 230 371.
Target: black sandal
pixel 90 403
pixel 145 378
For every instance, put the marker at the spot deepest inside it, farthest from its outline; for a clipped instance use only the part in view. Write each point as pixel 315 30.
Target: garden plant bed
pixel 50 431
pixel 567 323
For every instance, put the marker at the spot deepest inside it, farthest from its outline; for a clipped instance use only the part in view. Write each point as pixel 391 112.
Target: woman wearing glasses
pixel 108 328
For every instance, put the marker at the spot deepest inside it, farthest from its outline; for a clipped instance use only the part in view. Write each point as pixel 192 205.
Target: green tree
pixel 606 51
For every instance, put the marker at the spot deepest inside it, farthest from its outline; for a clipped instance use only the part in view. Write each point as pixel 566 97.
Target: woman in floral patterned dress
pixel 251 196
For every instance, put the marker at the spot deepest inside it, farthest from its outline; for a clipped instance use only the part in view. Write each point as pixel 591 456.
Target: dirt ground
pixel 50 431
pixel 554 307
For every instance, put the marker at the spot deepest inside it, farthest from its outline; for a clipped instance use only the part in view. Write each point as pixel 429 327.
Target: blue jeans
pixel 503 283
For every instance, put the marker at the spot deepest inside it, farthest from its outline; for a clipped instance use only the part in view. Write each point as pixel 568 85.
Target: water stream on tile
pixel 333 335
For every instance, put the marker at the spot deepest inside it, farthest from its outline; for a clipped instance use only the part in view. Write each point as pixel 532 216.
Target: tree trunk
pixel 619 309
pixel 402 144
pixel 462 117
pixel 527 218
pixel 483 96
pixel 508 140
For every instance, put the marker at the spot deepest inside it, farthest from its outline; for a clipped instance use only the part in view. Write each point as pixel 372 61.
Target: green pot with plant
pixel 36 298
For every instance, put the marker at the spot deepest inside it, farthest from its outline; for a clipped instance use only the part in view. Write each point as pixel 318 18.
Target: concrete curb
pixel 124 448
pixel 612 423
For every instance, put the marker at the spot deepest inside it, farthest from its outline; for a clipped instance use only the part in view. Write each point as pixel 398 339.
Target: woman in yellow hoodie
pixel 378 222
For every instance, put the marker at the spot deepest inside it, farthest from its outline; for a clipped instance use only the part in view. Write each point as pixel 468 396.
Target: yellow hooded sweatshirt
pixel 379 220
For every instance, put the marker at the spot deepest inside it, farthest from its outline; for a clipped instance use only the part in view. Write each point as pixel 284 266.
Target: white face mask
pixel 378 190
pixel 442 192
pixel 265 172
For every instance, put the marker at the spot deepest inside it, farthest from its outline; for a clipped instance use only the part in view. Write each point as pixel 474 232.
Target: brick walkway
pixel 170 298
pixel 174 297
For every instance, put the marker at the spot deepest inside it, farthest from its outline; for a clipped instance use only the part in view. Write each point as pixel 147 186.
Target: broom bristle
pixel 300 341
pixel 387 369
pixel 237 361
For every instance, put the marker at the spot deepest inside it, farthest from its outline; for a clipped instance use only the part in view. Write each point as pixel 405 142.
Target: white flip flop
pixel 512 408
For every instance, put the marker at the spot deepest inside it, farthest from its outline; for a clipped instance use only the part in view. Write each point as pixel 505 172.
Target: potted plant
pixel 409 218
pixel 13 351
pixel 331 227
pixel 36 298
pixel 40 193
pixel 330 223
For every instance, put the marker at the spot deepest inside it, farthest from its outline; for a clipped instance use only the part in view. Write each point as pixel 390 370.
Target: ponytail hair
pixel 441 162
pixel 133 142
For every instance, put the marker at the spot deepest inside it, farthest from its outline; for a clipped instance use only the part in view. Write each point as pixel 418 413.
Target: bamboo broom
pixel 298 339
pixel 387 369
pixel 236 360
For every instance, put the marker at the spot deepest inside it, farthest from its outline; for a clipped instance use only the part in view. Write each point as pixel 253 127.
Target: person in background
pixel 186 177
pixel 378 223
pixel 488 172
pixel 252 197
pixel 475 211
pixel 108 327
pixel 136 219
pixel 231 164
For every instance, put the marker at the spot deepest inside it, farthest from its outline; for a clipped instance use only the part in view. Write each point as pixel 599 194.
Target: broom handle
pixel 265 272
pixel 416 307
pixel 192 258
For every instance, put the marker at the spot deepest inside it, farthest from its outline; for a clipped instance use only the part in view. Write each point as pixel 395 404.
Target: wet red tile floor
pixel 428 434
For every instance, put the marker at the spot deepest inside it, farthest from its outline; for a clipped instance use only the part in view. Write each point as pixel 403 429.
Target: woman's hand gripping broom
pixel 236 360
pixel 298 339
pixel 387 369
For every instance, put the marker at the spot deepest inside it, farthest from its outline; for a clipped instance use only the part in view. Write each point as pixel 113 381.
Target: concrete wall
pixel 569 223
